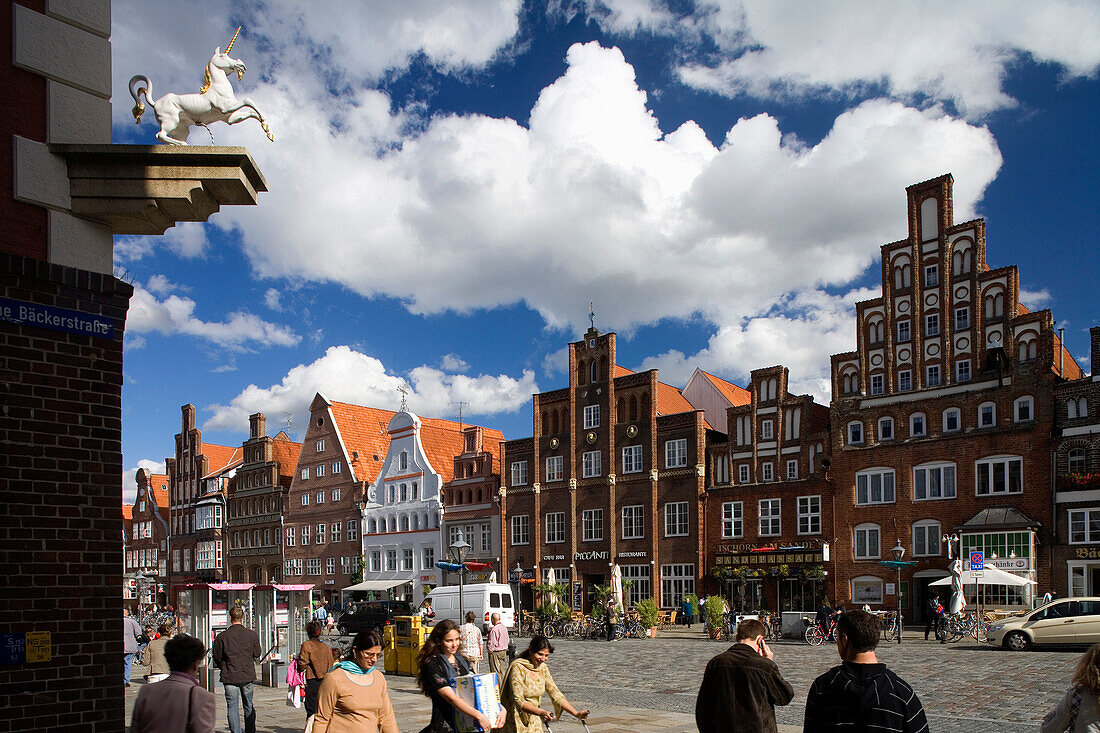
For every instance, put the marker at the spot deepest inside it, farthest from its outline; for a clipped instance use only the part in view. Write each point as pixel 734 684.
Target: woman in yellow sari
pixel 525 682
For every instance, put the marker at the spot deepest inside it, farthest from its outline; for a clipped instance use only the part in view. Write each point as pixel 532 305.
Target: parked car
pixel 484 599
pixel 372 615
pixel 1065 621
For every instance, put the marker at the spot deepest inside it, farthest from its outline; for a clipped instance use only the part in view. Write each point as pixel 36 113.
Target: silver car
pixel 1065 621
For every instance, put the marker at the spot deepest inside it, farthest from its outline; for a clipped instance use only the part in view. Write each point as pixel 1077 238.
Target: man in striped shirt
pixel 862 694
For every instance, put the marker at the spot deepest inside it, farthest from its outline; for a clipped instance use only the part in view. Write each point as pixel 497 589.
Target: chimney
pixel 257 425
pixel 1094 364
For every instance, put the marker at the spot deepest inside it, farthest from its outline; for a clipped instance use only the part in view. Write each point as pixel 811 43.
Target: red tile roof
pixel 285 451
pixel 736 395
pixel 127 511
pixel 620 371
pixel 158 486
pixel 220 457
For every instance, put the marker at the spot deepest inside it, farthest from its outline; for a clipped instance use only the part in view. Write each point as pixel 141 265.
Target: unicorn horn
pixel 234 39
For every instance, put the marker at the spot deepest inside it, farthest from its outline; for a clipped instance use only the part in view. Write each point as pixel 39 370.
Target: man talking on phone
pixel 742 686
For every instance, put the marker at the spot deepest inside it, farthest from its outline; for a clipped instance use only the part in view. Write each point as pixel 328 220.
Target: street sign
pixel 977 561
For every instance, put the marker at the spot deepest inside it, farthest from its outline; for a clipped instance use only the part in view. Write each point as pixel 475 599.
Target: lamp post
pixel 898 552
pixel 517 579
pixel 459 548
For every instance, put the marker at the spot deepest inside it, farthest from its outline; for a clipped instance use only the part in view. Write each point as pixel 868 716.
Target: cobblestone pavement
pixel 650 685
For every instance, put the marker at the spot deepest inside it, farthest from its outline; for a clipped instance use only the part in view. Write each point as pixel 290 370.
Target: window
pixel 676 453
pixel 305 473
pixel 926 538
pixel 733 524
pixel 330 565
pixel 743 473
pixel 391 559
pixel 321 446
pixel 305 499
pixel 987 415
pixel 917 425
pixel 952 420
pixel 962 370
pixel 721 469
pixel 932 375
pixel 320 497
pixel 427 558
pixel 962 318
pixel 867 589
pixel 521 529
pixel 321 534
pixel 404 460
pixel 376 562
pixel 591 416
pixel 353 530
pixel 336 467
pixel 767 471
pixel 314 565
pixel 555 527
pixel 677 581
pixel 1076 462
pixel 1023 409
pixel 336 531
pixel 345 565
pixel 1084 526
pixel 867 544
pixel 934 481
pixel 519 473
pixel 320 470
pixel 886 428
pixel 407 559
pixel 904 333
pixel 931 276
pixel 766 430
pixel 999 475
pixel 336 494
pixel 175 561
pixel 392 493
pixel 877 384
pixel 809 515
pixel 288 568
pixel 875 486
pixel 590 464
pixel 555 468
pixel 592 524
pixel 932 324
pixel 633 522
pixel 632 459
pixel 290 536
pixel 404 492
pixel 855 433
pixel 905 380
pixel 676 519
pixel 486 539
pixel 641 586
pixel 792 470
pixel 769 517
pixel 305 535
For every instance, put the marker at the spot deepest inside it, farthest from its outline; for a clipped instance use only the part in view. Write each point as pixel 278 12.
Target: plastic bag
pixel 294 697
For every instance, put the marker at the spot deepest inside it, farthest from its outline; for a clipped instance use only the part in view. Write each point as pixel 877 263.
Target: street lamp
pixel 459 548
pixel 898 552
pixel 517 575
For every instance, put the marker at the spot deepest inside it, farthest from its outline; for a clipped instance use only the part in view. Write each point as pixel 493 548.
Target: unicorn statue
pixel 215 102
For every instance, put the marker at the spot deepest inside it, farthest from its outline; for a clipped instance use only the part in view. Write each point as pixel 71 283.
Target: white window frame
pixel 555 527
pixel 407 558
pixel 905 331
pixel 677 581
pixel 290 536
pixel 376 561
pixel 320 499
pixel 733 519
pixel 855 437
pixel 1021 402
pixel 743 473
pixel 427 558
pixel 353 530
pixel 868 530
pixel 926 532
pixel 932 376
pixel 1084 534
pixel 391 560
pixel 676 453
pixel 878 384
pixel 330 566
pixel 867 581
pixel 335 530
pixel 962 318
pixel 962 371
pixel 521 529
pixel 591 416
pixel 868 477
pixel 320 470
pixel 888 434
pixel 633 519
pixel 987 408
pixel 992 462
pixel 519 473
pixel 336 467
pixel 769 511
pixel 792 469
pixel 767 471
pixel 943 474
pixel 305 473
pixel 905 380
pixel 592 525
pixel 591 464
pixel 632 459
pixel 555 468
pixel 918 425
pixel 932 324
pixel 957 413
pixel 336 494
pixel 809 514
pixel 767 430
pixel 321 445
pixel 320 537
pixel 677 519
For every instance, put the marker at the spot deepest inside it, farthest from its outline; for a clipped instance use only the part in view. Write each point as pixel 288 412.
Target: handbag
pixel 511 650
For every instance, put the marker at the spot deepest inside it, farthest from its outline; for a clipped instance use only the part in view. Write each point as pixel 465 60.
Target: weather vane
pixel 404 390
pixel 215 102
pixel 591 315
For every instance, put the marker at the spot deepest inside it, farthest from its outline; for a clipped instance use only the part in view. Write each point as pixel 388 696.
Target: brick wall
pixel 60 479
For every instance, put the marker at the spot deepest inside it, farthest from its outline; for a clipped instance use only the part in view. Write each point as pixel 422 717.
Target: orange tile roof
pixel 621 371
pixel 286 452
pixel 670 401
pixel 736 395
pixel 365 430
pixel 158 486
pixel 220 457
pixel 127 511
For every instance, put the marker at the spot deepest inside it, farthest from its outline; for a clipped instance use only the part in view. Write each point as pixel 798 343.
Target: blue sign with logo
pixel 977 561
pixel 56 319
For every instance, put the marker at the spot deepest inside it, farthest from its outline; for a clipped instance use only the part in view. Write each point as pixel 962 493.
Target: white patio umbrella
pixel 552 580
pixel 989 576
pixel 958 598
pixel 617 585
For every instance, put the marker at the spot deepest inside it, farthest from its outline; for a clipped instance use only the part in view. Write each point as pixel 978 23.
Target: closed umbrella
pixel 617 585
pixel 958 598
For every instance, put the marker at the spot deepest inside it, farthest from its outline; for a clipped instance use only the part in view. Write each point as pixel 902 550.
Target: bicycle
pixel 816 634
pixel 773 625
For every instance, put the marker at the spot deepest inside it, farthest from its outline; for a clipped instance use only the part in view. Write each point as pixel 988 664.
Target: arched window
pixel 595 371
pixel 855 433
pixel 633 408
pixel 918 425
pixel 885 428
pixel 960 262
pixel 603 368
pixel 424 520
pixel 580 371
pixel 545 422
pixel 994 304
pixel 416 521
pixel 404 460
pixel 645 405
pixel 952 420
pixel 620 410
pixel 1077 463
pixel 1071 408
pixel 1026 350
pixel 987 414
pixel 415 490
pixel 372 527
pixel 1023 409
pixel 1082 407
pixel 867 541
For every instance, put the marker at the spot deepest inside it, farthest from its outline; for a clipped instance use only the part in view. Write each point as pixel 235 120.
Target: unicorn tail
pixel 139 85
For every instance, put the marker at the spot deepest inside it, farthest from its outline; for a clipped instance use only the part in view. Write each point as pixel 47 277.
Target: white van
pixel 484 599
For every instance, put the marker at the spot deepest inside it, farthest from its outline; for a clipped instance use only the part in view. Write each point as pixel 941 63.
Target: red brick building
pixel 612 475
pixel 256 499
pixel 471 501
pixel 147 542
pixel 198 480
pixel 942 417
pixel 769 507
pixel 1075 569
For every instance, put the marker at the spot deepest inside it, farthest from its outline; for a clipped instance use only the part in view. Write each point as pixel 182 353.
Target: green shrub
pixel 715 612
pixel 647 612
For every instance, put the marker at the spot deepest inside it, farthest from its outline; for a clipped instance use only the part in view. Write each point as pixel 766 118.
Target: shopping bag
pixel 294 697
pixel 479 691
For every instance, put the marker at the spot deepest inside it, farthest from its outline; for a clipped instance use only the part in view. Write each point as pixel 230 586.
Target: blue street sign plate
pixel 977 561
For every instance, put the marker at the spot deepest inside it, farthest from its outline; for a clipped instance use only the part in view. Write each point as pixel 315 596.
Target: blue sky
pixel 453 183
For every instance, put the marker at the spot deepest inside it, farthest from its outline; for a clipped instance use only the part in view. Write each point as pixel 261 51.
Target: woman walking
pixel 353 697
pixel 471 642
pixel 314 661
pixel 526 681
pixel 153 656
pixel 1078 711
pixel 440 666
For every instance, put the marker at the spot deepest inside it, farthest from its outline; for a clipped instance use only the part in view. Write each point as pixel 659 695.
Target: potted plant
pixel 647 615
pixel 715 613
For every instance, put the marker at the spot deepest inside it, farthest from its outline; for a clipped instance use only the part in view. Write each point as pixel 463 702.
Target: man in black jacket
pixel 742 686
pixel 235 651
pixel 861 694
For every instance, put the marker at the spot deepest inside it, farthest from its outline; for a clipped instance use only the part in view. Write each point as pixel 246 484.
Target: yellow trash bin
pixel 409 636
pixel 389 649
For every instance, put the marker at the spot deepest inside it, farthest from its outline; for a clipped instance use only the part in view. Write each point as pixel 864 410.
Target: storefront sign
pixel 734 548
pixel 1087 553
pixel 56 319
pixel 769 558
pixel 591 555
pixel 634 554
pixel 553 557
pixel 1009 564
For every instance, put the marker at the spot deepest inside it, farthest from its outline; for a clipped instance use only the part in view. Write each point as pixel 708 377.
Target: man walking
pixel 498 647
pixel 131 632
pixel 934 610
pixel 742 686
pixel 235 651
pixel 861 693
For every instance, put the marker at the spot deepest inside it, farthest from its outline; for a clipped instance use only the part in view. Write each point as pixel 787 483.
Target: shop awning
pixel 376 585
